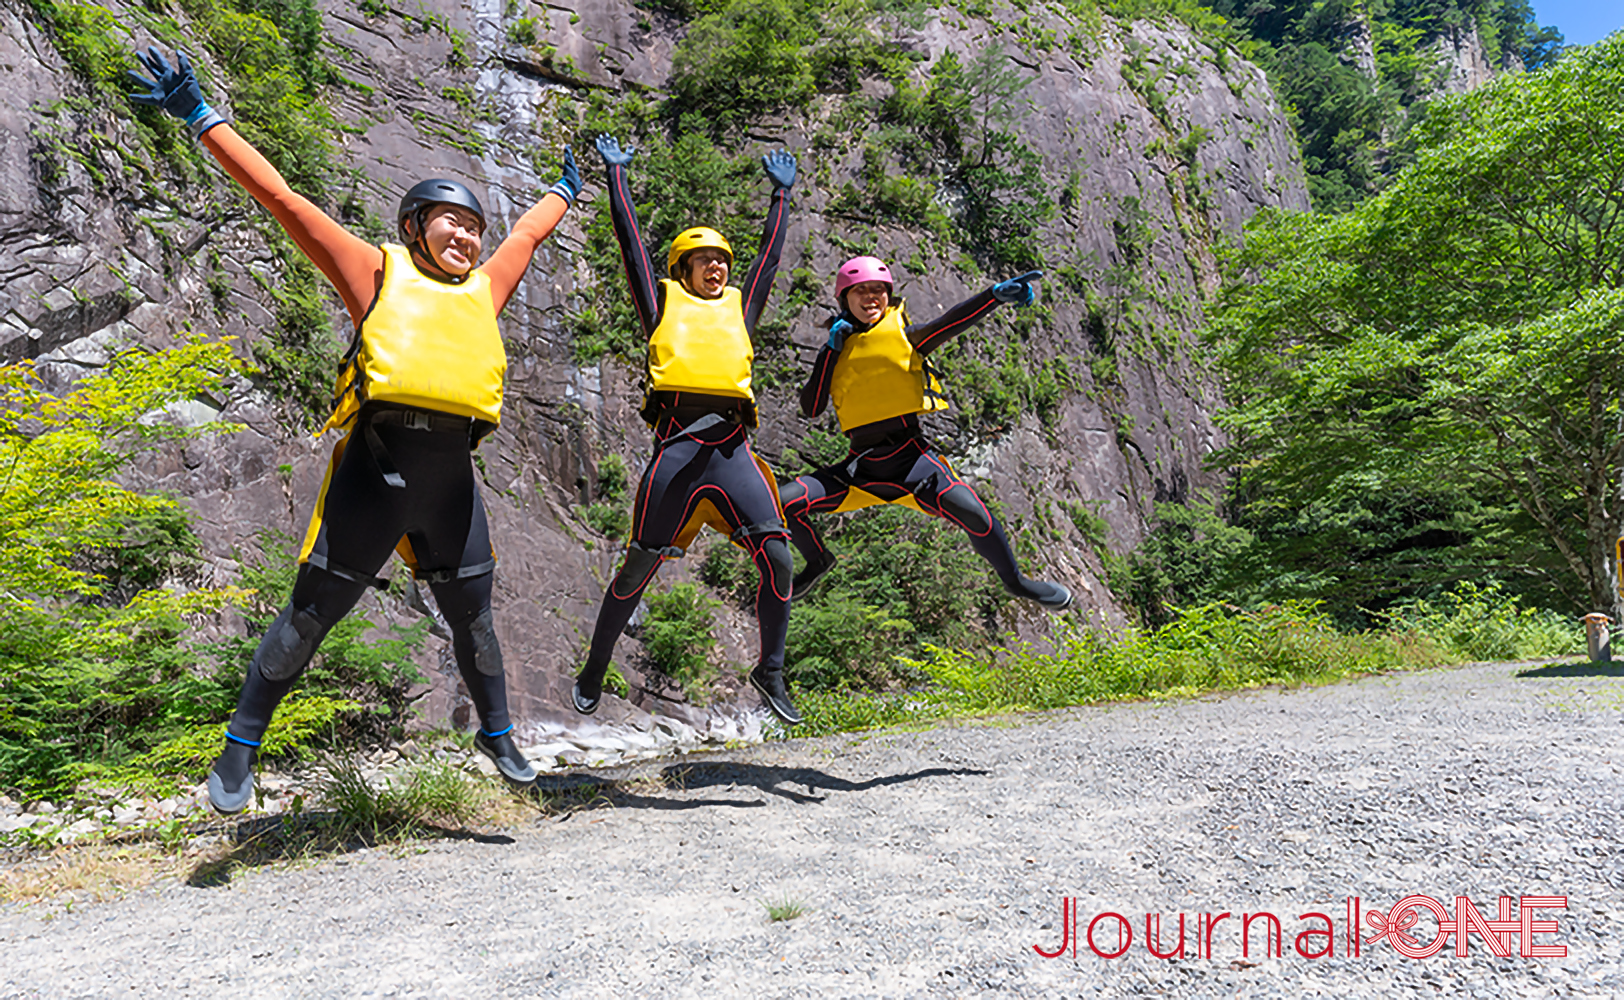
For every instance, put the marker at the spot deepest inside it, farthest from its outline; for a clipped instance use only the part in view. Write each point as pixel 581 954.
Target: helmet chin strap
pixel 424 259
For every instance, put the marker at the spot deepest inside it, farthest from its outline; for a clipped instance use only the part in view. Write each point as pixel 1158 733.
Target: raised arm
pixel 815 393
pixel 507 265
pixel 758 284
pixel 353 265
pixel 633 252
pixel 926 337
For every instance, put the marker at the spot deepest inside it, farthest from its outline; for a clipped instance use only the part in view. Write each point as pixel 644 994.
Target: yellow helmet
pixel 693 239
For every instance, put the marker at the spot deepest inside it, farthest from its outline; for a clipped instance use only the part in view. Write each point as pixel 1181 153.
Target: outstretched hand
pixel 780 166
pixel 613 155
pixel 1018 290
pixel 173 88
pixel 569 184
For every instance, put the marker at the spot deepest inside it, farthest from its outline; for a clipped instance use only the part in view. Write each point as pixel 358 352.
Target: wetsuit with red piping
pixel 698 474
pixel 361 517
pixel 891 461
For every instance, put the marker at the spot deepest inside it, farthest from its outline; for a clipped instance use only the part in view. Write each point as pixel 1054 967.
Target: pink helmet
pixel 858 270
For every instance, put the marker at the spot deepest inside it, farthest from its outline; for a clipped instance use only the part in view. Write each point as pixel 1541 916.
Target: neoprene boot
pixel 773 690
pixel 808 577
pixel 1051 596
pixel 231 782
pixel 504 753
pixel 588 690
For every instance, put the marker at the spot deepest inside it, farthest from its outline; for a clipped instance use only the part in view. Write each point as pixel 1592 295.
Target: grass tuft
pixel 784 909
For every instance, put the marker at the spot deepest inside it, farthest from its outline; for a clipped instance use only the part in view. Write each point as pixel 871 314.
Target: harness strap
pixel 669 551
pixel 759 528
pixel 463 573
pixel 321 562
pixel 380 454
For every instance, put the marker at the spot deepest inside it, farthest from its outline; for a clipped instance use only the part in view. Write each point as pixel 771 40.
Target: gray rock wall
pixel 105 246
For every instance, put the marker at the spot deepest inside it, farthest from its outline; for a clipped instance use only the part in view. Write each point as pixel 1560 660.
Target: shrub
pixel 677 635
pixel 94 661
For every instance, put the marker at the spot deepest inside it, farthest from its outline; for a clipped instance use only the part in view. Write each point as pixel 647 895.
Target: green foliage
pixel 995 395
pixel 1486 623
pixel 93 663
pixel 1211 647
pixel 743 61
pixel 678 637
pixel 522 32
pixel 837 643
pixel 1458 334
pixel 301 357
pixel 427 795
pixel 958 131
pixel 1352 126
pixel 904 580
pixel 610 515
pixel 270 51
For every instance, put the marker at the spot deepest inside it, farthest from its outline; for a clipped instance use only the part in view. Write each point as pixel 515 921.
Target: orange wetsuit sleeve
pixel 508 263
pixel 354 266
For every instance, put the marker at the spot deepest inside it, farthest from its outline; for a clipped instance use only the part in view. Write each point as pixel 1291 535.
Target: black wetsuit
pixel 892 460
pixel 712 462
pixel 439 511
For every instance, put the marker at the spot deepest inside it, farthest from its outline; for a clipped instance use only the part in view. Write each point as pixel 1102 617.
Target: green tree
pixel 1460 332
pixel 83 671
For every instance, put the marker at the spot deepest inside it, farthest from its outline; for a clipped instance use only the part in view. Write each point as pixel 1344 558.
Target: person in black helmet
pixel 421 384
pixel 700 405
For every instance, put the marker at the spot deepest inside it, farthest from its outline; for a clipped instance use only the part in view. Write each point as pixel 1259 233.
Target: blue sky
pixel 1581 21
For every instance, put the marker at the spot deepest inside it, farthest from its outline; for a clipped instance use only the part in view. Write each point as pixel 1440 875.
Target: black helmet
pixel 435 191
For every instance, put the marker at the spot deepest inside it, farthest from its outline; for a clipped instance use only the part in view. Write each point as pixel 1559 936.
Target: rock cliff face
pixel 1154 144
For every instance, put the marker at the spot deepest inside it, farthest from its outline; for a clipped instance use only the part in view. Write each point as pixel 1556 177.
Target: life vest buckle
pixel 417 420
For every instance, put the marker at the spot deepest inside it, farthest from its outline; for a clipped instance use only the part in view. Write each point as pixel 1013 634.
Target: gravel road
pixel 930 863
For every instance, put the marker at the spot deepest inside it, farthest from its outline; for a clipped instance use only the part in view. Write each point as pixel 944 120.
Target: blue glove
pixel 780 166
pixel 613 155
pixel 569 185
pixel 173 88
pixel 1018 290
pixel 839 330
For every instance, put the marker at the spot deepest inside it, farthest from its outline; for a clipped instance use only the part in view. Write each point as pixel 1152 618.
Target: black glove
pixel 569 185
pixel 173 88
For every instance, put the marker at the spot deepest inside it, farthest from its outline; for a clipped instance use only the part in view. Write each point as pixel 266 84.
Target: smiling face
pixel 452 235
pixel 704 272
pixel 868 301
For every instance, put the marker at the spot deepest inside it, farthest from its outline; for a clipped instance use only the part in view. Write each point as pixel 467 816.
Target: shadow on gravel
pixel 772 779
pixel 1583 668
pixel 567 792
pixel 310 836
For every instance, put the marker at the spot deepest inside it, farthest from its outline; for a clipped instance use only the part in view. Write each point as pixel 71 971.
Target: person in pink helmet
pixel 875 368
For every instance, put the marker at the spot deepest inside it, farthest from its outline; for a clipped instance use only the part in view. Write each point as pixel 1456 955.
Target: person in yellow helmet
pixel 700 405
pixel 421 385
pixel 876 369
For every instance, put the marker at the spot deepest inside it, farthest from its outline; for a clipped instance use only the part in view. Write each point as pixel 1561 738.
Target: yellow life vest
pixel 701 345
pixel 425 343
pixel 879 375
